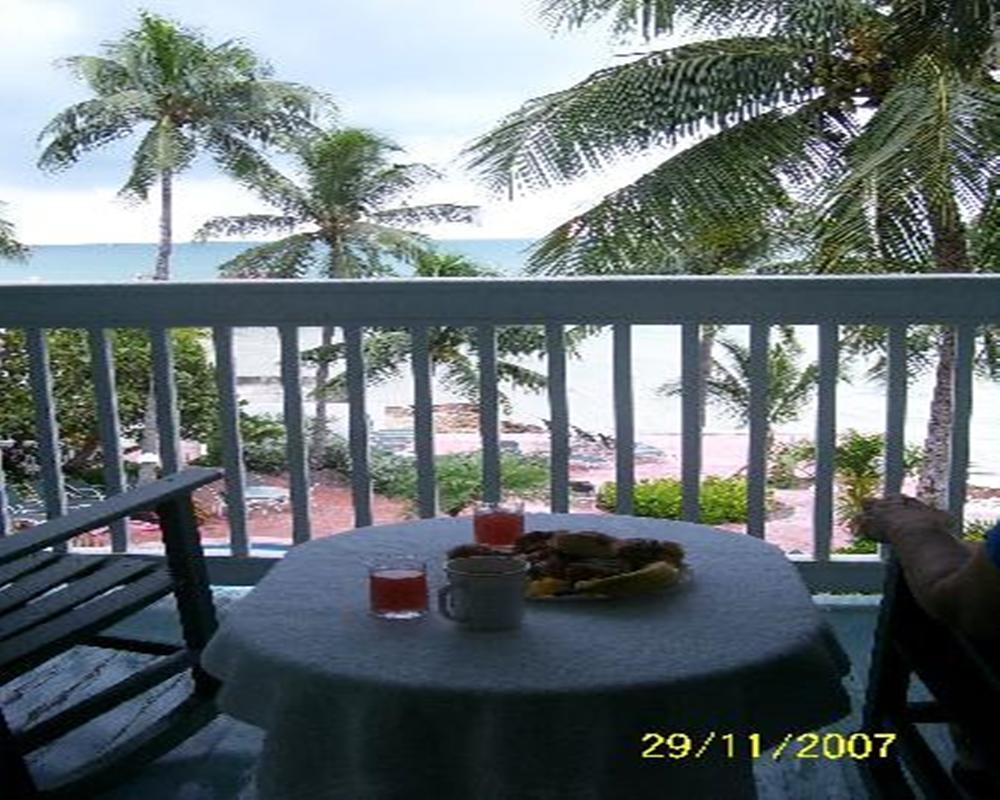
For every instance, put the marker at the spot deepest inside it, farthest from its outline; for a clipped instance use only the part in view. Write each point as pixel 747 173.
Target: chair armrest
pixel 98 515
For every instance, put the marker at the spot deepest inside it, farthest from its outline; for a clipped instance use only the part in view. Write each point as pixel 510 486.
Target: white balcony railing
pixel 964 302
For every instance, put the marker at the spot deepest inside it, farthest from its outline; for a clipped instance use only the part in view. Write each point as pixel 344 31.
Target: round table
pixel 361 708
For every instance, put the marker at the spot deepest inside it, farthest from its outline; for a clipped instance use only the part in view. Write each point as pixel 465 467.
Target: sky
pixel 430 74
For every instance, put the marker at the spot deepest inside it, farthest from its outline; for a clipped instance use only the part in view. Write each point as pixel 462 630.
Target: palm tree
pixel 883 111
pixel 186 96
pixel 10 247
pixel 453 350
pixel 349 201
pixel 789 386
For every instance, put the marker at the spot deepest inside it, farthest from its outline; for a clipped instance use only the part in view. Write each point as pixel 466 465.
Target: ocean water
pixel 199 261
pixel 656 356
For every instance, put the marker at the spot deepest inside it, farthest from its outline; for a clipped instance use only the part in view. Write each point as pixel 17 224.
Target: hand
pixel 898 514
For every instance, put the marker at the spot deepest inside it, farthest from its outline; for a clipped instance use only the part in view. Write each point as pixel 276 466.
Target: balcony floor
pixel 217 764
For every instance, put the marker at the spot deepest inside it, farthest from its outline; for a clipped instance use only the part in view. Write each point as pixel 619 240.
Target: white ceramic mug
pixel 484 592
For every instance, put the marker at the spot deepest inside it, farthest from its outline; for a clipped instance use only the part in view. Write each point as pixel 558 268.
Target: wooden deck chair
pixel 962 677
pixel 51 601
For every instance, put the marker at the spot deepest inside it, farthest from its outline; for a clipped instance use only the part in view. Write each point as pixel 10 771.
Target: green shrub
pixel 459 477
pixel 786 461
pixel 721 499
pixel 859 546
pixel 976 529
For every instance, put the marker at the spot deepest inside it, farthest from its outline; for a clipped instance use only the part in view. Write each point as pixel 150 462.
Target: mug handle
pixel 444 605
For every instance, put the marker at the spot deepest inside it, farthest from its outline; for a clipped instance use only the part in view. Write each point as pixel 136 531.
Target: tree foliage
pixel 453 351
pixel 350 198
pixel 184 95
pixel 883 114
pixel 72 379
pixel 789 385
pixel 10 247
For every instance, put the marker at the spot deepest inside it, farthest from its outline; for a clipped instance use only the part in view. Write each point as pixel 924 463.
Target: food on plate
pixel 469 550
pixel 657 575
pixel 589 563
pixel 640 552
pixel 584 544
pixel 547 587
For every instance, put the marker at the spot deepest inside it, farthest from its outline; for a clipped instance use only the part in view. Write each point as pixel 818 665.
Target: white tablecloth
pixel 358 708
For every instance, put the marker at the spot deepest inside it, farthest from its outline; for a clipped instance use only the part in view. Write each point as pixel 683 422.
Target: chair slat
pixel 108 574
pixel 624 421
pixel 40 581
pixel 559 423
pixel 38 644
pixel 25 565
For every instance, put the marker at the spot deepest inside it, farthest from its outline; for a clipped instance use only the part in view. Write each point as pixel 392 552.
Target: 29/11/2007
pixel 858 746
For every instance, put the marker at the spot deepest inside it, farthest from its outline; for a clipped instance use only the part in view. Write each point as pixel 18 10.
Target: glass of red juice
pixel 498 524
pixel 398 587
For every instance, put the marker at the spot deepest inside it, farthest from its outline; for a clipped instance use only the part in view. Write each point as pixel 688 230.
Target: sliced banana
pixel 657 575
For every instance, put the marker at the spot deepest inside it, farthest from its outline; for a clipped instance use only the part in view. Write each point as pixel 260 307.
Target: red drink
pixel 498 528
pixel 398 592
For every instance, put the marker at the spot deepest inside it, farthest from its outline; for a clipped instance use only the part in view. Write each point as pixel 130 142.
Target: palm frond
pixel 9 246
pixel 408 216
pixel 163 148
pixel 246 225
pixel 653 100
pixel 291 257
pixel 932 140
pixel 733 177
pixel 82 127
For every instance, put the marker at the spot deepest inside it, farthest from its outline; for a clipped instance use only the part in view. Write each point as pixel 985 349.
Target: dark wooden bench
pixel 51 601
pixel 962 677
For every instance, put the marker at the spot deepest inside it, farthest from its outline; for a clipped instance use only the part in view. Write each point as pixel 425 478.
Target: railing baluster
pixel 295 433
pixel 489 416
pixel 360 476
pixel 165 391
pixel 232 441
pixel 826 441
pixel 757 454
pixel 423 423
pixel 690 422
pixel 102 368
pixel 559 422
pixel 624 422
pixel 49 451
pixel 965 336
pixel 895 410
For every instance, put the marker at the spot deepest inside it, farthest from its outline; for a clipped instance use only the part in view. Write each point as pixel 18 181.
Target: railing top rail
pixel 971 299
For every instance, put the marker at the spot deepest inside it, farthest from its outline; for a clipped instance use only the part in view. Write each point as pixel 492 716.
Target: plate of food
pixel 590 565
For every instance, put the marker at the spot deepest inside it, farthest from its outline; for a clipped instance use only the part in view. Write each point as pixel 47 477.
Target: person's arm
pixel 953 581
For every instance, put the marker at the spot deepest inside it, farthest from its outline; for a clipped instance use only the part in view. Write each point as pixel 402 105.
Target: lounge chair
pixel 51 602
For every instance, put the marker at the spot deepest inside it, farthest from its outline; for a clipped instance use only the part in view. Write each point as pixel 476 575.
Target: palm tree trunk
pixel 162 272
pixel 950 255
